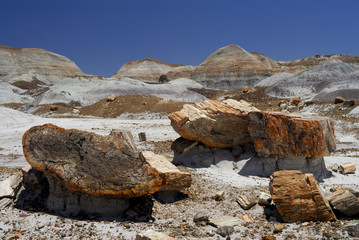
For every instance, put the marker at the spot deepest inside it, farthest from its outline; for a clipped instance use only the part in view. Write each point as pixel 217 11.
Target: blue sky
pixel 100 36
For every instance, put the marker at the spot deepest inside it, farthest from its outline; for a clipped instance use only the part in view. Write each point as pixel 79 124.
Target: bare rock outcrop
pixel 221 124
pixel 298 198
pixel 291 135
pixel 102 166
pixel 147 69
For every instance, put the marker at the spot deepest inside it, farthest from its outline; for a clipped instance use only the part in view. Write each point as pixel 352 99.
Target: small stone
pixel 335 167
pixel 245 202
pixel 296 100
pixel 301 105
pixel 283 106
pixel 225 231
pixel 352 229
pixel 348 103
pixel 10 186
pixel 224 221
pixel 268 237
pixel 4 202
pixel 200 217
pixel 292 109
pixel 142 136
pixel 111 98
pixel 219 196
pixel 265 199
pixel 339 100
pixel 53 108
pixel 246 218
pixel 278 227
pixel 347 168
pixel 75 111
pixel 246 89
pixel 152 235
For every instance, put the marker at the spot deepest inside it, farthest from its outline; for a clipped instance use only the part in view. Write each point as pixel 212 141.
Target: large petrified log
pixel 298 197
pixel 106 166
pixel 291 134
pixel 221 124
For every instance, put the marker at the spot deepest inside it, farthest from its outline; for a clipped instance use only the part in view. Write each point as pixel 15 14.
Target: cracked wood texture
pixel 103 166
pixel 294 135
pixel 221 124
pixel 298 197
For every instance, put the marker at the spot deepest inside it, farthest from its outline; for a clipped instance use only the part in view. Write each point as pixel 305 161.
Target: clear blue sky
pixel 101 35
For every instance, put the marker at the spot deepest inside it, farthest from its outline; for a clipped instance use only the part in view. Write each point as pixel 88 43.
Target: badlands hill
pixel 147 69
pixel 233 67
pixel 19 64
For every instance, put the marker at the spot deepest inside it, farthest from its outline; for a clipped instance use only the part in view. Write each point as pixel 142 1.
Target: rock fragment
pixel 347 168
pixel 172 177
pixel 352 229
pixel 219 196
pixel 246 218
pixel 225 220
pixel 111 98
pixel 107 166
pixel 10 186
pixel 142 136
pixel 339 100
pixel 200 217
pixel 344 201
pixel 181 145
pixel 152 235
pixel 246 202
pixel 225 231
pixel 265 199
pixel 298 197
pixel 221 124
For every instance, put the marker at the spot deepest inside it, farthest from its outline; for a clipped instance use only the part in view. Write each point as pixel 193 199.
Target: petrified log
pixel 344 201
pixel 298 197
pixel 347 168
pixel 291 134
pixel 221 124
pixel 172 177
pixel 107 166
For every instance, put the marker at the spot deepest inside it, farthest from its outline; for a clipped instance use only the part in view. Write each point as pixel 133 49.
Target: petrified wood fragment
pixel 291 134
pixel 298 197
pixel 221 124
pixel 106 166
pixel 344 201
pixel 172 177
